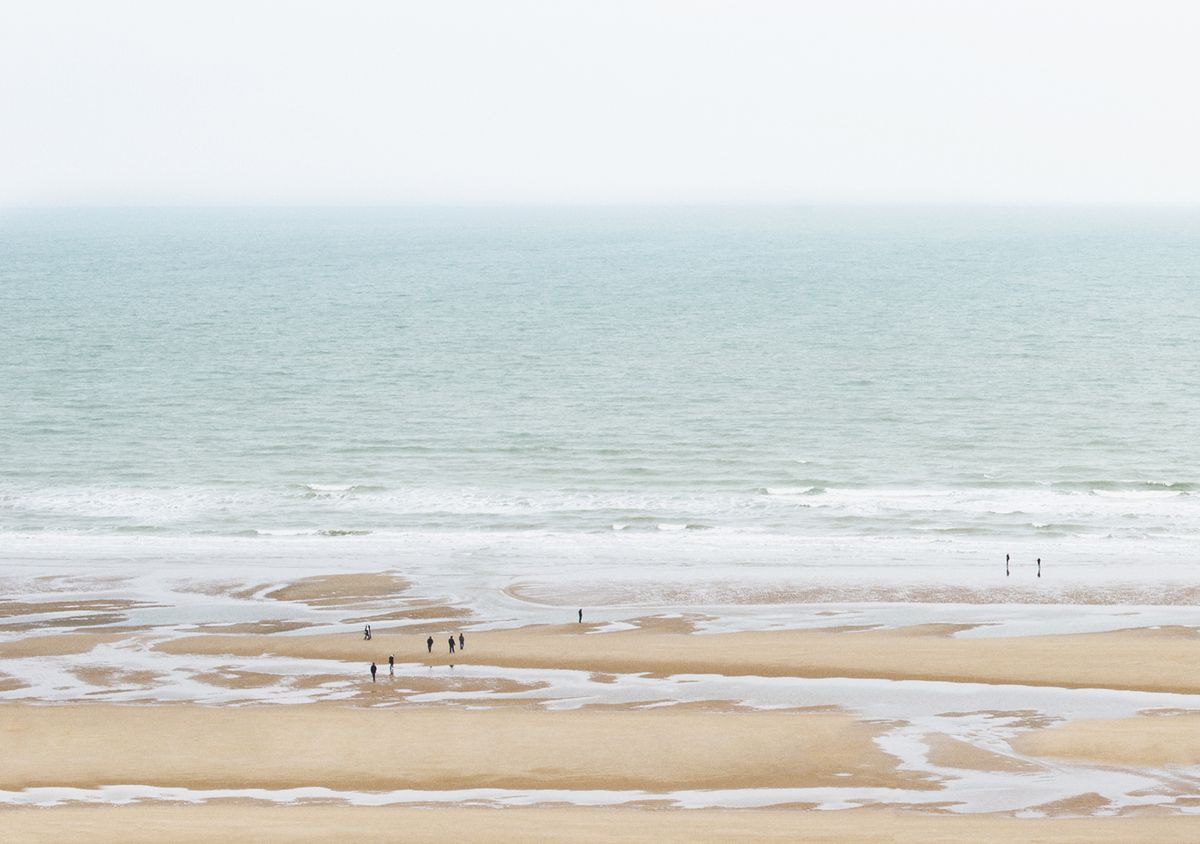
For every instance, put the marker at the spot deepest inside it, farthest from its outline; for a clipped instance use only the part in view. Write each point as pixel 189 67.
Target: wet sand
pixel 341 589
pixel 682 594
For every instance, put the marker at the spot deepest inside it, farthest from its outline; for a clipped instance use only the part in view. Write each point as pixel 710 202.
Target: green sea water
pixel 969 375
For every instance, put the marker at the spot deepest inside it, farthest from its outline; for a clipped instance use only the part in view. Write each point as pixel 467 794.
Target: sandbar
pixel 1144 740
pixel 437 748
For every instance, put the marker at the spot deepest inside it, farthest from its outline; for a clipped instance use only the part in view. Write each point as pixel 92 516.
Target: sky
pixel 463 102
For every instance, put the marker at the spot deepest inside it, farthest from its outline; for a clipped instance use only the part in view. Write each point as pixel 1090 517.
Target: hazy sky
pixel 453 101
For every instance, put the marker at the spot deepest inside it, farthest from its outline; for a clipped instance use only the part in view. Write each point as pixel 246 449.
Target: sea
pixel 498 392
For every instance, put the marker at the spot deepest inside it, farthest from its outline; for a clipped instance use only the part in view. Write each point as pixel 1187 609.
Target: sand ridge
pixel 1133 659
pixel 57 644
pixel 1146 739
pixel 333 590
pixel 438 748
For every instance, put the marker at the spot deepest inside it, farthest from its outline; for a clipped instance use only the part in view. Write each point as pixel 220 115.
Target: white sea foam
pixel 1135 494
pixel 791 511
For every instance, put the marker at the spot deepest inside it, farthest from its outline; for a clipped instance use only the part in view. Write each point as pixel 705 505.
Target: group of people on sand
pixel 462 646
pixel 462 641
pixel 1008 569
pixel 391 666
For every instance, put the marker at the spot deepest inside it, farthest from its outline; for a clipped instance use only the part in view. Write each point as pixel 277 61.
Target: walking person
pixel 1006 565
pixel 429 644
pixel 581 616
pixel 1039 566
pixel 374 668
pixel 366 632
pixel 462 643
pixel 451 644
pixel 391 663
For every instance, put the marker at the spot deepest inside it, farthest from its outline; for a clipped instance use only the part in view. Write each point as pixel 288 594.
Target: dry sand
pixel 57 644
pixel 437 748
pixel 242 822
pixel 95 605
pixel 1142 659
pixel 1146 740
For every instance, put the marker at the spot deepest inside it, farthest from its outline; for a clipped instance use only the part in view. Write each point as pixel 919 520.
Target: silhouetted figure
pixel 1006 565
pixel 374 668
pixel 1039 566
pixel 429 644
pixel 462 643
pixel 581 616
pixel 451 644
pixel 366 631
pixel 391 663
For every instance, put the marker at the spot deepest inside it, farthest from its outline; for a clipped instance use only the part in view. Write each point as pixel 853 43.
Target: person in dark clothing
pixel 581 616
pixel 429 644
pixel 374 668
pixel 462 643
pixel 451 644
pixel 391 663
pixel 1006 565
pixel 1039 566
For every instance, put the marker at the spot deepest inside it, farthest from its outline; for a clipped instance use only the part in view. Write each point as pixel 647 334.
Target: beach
pixel 839 725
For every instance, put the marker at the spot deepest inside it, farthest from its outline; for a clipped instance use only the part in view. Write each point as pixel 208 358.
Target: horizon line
pixel 601 204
